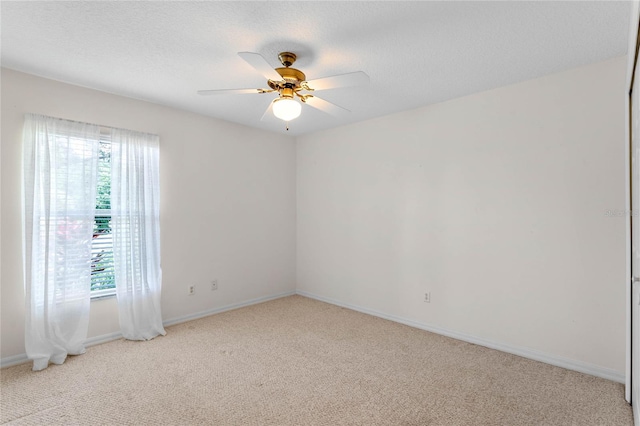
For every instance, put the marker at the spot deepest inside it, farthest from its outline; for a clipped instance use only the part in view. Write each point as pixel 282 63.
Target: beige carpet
pixel 297 361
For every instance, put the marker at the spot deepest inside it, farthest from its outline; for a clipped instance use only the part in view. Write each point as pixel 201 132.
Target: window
pixel 103 281
pixel 70 216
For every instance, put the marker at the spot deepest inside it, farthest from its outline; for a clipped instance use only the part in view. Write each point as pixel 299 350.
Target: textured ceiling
pixel 416 53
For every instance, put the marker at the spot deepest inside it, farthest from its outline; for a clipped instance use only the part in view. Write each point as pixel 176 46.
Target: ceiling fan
pixel 290 83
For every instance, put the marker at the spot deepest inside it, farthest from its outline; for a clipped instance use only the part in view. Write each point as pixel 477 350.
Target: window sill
pixel 103 294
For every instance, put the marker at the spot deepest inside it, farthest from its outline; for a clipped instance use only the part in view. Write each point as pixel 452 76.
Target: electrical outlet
pixel 214 284
pixel 427 297
pixel 192 290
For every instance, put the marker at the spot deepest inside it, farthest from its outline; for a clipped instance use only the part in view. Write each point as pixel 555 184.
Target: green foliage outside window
pixel 102 274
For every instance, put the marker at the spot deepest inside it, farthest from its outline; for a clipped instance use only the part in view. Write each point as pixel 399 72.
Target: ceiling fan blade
pixel 268 113
pixel 258 62
pixel 358 78
pixel 228 92
pixel 326 106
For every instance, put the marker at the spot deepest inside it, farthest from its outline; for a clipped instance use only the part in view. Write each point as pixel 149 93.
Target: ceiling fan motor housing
pixel 289 75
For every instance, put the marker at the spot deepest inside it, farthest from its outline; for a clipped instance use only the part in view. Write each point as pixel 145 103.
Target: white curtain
pixel 136 232
pixel 59 193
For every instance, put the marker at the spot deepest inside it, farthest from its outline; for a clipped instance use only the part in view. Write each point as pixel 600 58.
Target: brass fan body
pixel 292 78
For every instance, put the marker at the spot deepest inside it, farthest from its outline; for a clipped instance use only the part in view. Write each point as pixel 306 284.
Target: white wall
pixel 495 203
pixel 227 202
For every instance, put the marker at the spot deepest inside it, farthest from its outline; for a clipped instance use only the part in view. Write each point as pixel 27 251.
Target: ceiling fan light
pixel 286 109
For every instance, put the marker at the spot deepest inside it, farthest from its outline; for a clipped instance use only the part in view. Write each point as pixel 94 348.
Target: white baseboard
pixel 570 364
pixel 96 340
pixel 535 355
pixel 103 338
pixel 22 358
pixel 10 361
pixel 202 314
